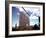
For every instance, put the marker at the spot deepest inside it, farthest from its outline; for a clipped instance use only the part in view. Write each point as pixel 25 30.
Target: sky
pixel 34 13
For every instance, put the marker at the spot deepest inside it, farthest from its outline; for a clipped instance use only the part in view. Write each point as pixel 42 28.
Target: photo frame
pixel 24 18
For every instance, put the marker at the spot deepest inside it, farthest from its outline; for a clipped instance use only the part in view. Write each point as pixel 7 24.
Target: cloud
pixel 18 13
pixel 32 23
pixel 13 25
pixel 33 11
pixel 33 17
pixel 20 9
pixel 29 11
pixel 36 12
